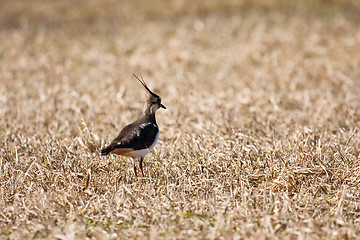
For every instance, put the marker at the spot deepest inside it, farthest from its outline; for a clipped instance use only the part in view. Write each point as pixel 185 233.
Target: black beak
pixel 161 105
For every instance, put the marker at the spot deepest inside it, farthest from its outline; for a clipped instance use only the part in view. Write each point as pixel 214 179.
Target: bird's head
pixel 153 102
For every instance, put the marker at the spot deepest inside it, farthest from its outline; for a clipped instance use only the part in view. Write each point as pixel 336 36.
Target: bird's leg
pixel 141 167
pixel 134 167
pixel 135 170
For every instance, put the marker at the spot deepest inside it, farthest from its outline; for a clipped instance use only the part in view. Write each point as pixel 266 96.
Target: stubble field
pixel 260 139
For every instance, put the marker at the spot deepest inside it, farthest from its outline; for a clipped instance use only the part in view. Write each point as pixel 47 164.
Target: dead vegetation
pixel 260 140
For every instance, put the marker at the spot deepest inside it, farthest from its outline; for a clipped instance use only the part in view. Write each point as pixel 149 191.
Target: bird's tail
pixel 105 151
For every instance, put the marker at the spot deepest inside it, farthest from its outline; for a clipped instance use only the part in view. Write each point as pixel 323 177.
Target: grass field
pixel 260 139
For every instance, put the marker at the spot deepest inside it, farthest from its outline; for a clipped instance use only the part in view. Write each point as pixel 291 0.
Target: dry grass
pixel 260 140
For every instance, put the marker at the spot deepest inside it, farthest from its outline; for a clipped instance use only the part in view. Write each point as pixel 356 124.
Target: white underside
pixel 143 152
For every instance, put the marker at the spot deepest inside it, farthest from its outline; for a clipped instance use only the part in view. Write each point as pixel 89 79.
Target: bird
pixel 138 138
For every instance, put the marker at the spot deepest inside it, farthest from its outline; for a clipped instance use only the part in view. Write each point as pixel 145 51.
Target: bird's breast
pixel 143 152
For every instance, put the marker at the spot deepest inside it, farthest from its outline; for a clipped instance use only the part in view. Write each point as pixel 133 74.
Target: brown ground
pixel 260 140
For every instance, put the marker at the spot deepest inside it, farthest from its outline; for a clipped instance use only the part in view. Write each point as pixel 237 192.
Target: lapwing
pixel 138 138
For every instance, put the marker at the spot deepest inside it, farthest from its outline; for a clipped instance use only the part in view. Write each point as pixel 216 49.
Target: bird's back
pixel 138 135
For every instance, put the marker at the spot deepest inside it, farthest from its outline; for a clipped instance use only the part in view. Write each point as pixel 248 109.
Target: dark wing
pixel 134 136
